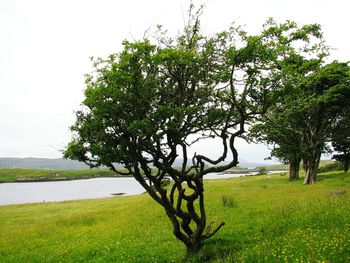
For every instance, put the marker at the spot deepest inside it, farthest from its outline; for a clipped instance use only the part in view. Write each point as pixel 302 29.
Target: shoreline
pixel 59 179
pixel 43 180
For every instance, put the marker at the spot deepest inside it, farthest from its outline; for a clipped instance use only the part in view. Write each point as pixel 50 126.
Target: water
pixel 19 193
pixel 38 192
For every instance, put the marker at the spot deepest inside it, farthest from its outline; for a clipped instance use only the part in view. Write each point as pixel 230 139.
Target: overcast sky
pixel 45 47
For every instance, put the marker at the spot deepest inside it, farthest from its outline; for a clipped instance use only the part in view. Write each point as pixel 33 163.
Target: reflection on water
pixel 20 193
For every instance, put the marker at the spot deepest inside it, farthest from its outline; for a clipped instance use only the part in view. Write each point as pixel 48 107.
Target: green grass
pixel 268 219
pixel 20 175
pixel 277 167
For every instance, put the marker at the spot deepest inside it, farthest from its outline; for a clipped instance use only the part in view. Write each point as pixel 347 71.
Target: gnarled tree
pixel 145 107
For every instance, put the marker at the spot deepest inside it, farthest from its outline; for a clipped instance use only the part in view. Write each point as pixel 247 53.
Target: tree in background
pixel 340 138
pixel 145 107
pixel 283 140
pixel 299 125
pixel 326 93
pixel 280 126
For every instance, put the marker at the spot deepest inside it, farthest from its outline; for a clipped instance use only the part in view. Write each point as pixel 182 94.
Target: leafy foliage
pixel 309 98
pixel 145 106
pixel 335 166
pixel 340 137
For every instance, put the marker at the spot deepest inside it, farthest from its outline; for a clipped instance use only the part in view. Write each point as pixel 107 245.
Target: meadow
pixel 268 219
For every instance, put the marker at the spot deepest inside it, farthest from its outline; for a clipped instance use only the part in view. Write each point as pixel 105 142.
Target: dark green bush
pixel 336 166
pixel 261 170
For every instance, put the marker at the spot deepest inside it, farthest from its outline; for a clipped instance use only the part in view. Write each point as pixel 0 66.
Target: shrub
pixel 261 170
pixel 336 166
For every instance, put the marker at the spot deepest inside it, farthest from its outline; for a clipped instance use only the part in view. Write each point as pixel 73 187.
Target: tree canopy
pixel 145 106
pixel 309 98
pixel 340 138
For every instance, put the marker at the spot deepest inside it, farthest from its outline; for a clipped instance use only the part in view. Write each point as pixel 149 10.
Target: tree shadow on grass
pixel 216 249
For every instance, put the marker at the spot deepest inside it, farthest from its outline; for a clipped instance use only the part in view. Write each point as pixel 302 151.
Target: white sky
pixel 45 47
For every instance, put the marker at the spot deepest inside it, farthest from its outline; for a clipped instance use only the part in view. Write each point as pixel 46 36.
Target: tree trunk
pixel 311 165
pixel 305 166
pixel 294 166
pixel 311 174
pixel 194 246
pixel 185 211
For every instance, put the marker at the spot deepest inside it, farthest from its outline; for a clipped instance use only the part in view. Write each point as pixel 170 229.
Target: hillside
pixel 42 163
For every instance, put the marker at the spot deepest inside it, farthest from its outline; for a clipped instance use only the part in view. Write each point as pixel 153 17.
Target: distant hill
pixel 63 164
pixel 249 165
pixel 42 163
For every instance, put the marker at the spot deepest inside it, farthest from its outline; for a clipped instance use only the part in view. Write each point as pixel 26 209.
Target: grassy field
pixel 268 219
pixel 278 167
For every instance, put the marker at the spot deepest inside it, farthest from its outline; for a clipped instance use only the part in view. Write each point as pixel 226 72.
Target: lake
pixel 38 192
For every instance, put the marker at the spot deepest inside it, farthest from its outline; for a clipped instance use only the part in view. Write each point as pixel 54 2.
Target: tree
pixel 277 132
pixel 326 93
pixel 279 127
pixel 300 124
pixel 145 107
pixel 340 138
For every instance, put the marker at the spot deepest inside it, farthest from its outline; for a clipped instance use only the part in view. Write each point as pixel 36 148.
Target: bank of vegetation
pixel 8 175
pixel 41 175
pixel 37 175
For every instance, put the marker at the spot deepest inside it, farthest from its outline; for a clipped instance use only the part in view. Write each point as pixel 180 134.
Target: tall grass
pixel 280 222
pixel 228 201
